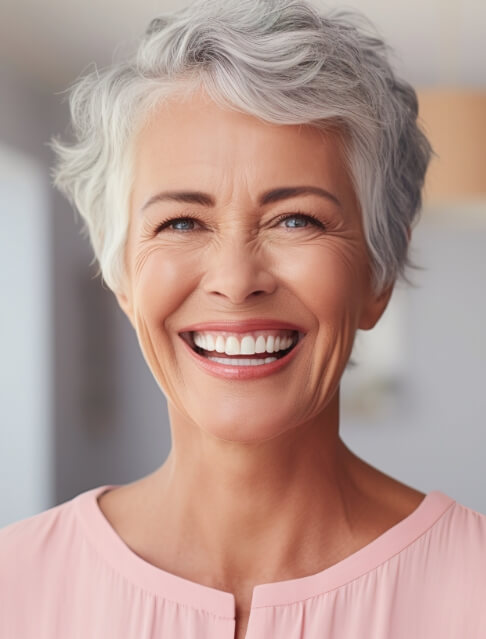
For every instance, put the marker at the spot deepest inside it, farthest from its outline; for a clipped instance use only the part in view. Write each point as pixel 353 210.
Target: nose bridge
pixel 237 267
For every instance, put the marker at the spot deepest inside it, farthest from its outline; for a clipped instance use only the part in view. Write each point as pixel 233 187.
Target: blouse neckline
pixel 221 603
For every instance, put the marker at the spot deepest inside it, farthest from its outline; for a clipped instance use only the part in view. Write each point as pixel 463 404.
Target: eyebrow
pixel 268 197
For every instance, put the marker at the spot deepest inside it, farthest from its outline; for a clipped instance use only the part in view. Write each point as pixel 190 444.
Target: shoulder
pixel 38 526
pixel 40 560
pixel 452 556
pixel 448 573
pixel 468 527
pixel 463 532
pixel 33 535
pixel 29 545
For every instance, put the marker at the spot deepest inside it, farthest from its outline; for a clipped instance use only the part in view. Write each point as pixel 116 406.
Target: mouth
pixel 188 337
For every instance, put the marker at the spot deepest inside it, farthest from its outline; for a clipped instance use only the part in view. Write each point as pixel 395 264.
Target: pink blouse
pixel 66 574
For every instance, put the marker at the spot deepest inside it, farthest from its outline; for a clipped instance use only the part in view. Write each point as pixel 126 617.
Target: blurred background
pixel 79 406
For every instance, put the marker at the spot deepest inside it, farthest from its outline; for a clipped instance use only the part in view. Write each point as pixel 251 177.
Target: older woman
pixel 249 182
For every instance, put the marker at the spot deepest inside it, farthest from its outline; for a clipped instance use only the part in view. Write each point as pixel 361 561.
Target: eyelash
pixel 299 214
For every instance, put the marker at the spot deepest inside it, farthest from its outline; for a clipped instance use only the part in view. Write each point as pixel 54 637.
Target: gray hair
pixel 279 60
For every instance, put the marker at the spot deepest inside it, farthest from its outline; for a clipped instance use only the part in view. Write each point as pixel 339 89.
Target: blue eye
pixel 302 217
pixel 173 221
pixel 185 220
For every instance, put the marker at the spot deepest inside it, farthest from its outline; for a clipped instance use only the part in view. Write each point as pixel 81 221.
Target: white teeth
pixel 270 344
pixel 248 345
pixel 260 345
pixel 232 346
pixel 242 362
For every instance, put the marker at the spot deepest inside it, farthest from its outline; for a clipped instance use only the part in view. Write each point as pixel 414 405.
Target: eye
pixel 172 221
pixel 303 217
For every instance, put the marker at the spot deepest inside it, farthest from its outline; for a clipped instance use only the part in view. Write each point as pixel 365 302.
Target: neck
pixel 256 512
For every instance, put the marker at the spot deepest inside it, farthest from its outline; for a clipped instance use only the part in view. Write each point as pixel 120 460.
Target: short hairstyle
pixel 282 61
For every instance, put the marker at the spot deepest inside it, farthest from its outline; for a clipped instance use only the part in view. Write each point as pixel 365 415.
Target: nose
pixel 238 271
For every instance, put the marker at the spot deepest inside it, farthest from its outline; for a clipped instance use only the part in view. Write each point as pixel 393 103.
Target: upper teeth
pixel 243 344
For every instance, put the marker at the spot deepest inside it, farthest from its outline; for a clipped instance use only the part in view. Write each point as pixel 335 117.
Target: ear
pixel 374 308
pixel 376 304
pixel 125 304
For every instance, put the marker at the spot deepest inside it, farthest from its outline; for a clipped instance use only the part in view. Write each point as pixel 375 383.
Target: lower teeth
pixel 242 362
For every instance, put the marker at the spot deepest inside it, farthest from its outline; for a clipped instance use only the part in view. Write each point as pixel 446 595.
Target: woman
pixel 249 182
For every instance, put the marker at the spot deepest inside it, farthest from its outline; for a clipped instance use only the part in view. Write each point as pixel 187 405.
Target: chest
pixel 241 627
pixel 242 611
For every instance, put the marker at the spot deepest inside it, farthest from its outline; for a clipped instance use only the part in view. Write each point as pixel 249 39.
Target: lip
pixel 230 371
pixel 243 325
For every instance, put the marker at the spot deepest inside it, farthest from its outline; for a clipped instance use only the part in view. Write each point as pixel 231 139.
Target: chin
pixel 243 430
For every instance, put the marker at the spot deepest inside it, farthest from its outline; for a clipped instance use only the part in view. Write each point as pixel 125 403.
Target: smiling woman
pixel 249 181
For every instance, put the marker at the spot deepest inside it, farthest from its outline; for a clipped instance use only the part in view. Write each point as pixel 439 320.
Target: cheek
pixel 326 278
pixel 164 280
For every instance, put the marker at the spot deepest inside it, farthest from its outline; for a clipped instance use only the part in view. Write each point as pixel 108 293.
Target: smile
pixel 225 355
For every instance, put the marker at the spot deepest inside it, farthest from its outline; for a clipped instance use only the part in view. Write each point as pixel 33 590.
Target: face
pixel 241 259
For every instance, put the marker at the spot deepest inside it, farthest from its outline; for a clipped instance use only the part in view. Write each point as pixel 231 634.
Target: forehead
pixel 199 132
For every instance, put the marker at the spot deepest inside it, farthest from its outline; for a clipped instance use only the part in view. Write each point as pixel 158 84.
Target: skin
pixel 258 486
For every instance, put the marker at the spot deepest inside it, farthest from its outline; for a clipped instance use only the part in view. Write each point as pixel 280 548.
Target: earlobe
pixel 375 308
pixel 124 304
pixel 376 305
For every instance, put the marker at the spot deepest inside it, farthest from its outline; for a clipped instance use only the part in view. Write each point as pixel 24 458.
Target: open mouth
pixel 189 338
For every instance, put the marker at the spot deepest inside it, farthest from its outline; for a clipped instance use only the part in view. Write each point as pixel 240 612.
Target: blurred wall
pixel 98 390
pixel 432 434
pixel 26 388
pixel 25 335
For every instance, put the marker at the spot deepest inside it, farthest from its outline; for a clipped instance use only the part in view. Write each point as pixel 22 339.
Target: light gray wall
pixel 26 389
pixel 101 399
pixel 25 344
pixel 435 436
